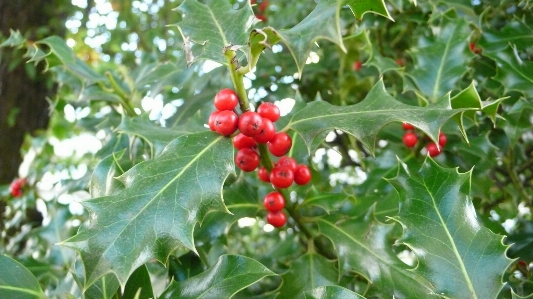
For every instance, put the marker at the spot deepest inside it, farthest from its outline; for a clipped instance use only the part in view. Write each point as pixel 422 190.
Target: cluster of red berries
pixel 16 187
pixel 410 140
pixel 258 127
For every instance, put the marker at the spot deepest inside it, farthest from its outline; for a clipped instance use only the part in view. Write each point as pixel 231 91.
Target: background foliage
pixel 127 138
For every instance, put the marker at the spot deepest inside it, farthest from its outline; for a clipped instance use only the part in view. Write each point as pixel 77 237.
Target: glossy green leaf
pixel 515 296
pixel 15 39
pixel 103 179
pixel 163 200
pixel 461 258
pixel 515 32
pixel 59 48
pixel 321 23
pixel 309 271
pixel 329 202
pixel 156 72
pixel 228 276
pixel 518 120
pixel 469 98
pixel 365 119
pixel 241 199
pixel 513 73
pixel 104 287
pixel 332 292
pixel 260 39
pixel 17 282
pixel 440 63
pixel 139 284
pixel 361 7
pixel 362 247
pixel 157 137
pixel 212 26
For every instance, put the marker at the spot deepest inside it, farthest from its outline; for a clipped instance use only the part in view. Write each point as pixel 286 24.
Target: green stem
pixel 236 78
pixel 124 98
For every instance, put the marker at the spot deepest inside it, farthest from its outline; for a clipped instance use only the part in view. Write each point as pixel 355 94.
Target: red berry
pixel 474 48
pixel 226 99
pixel 302 175
pixel 263 6
pixel 277 219
pixel 432 149
pixel 16 192
pixel 357 65
pixel 211 120
pixel 263 175
pixel 226 122
pixel 247 159
pixel 287 161
pixel 269 110
pixel 442 139
pixel 261 17
pixel 250 123
pixel 18 183
pixel 274 201
pixel 240 141
pixel 400 62
pixel 281 177
pixel 410 139
pixel 407 126
pixel 280 144
pixel 267 132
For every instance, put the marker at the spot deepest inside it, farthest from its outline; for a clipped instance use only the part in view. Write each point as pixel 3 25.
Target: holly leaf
pixel 513 73
pixel 516 296
pixel 228 276
pixel 15 39
pixel 362 246
pixel 321 23
pixel 241 199
pixel 103 180
pixel 162 201
pixel 459 256
pixel 326 201
pixel 17 282
pixel 309 271
pixel 440 63
pixel 469 98
pixel 518 120
pixel 359 8
pixel 515 33
pixel 365 119
pixel 157 137
pixel 105 287
pixel 139 284
pixel 211 27
pixel 332 292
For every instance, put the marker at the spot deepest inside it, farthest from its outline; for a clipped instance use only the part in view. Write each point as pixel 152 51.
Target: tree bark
pixel 23 105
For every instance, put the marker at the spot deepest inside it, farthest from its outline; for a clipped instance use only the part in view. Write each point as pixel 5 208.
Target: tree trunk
pixel 23 105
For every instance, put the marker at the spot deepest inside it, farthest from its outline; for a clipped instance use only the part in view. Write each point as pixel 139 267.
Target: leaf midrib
pixel 21 290
pixel 393 266
pixel 363 112
pixel 186 167
pixel 439 72
pixel 218 27
pixel 452 242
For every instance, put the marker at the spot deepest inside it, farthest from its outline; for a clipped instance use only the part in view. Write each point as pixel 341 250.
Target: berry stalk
pixel 124 99
pixel 236 78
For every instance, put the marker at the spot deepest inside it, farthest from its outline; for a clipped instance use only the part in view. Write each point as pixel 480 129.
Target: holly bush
pixel 168 215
